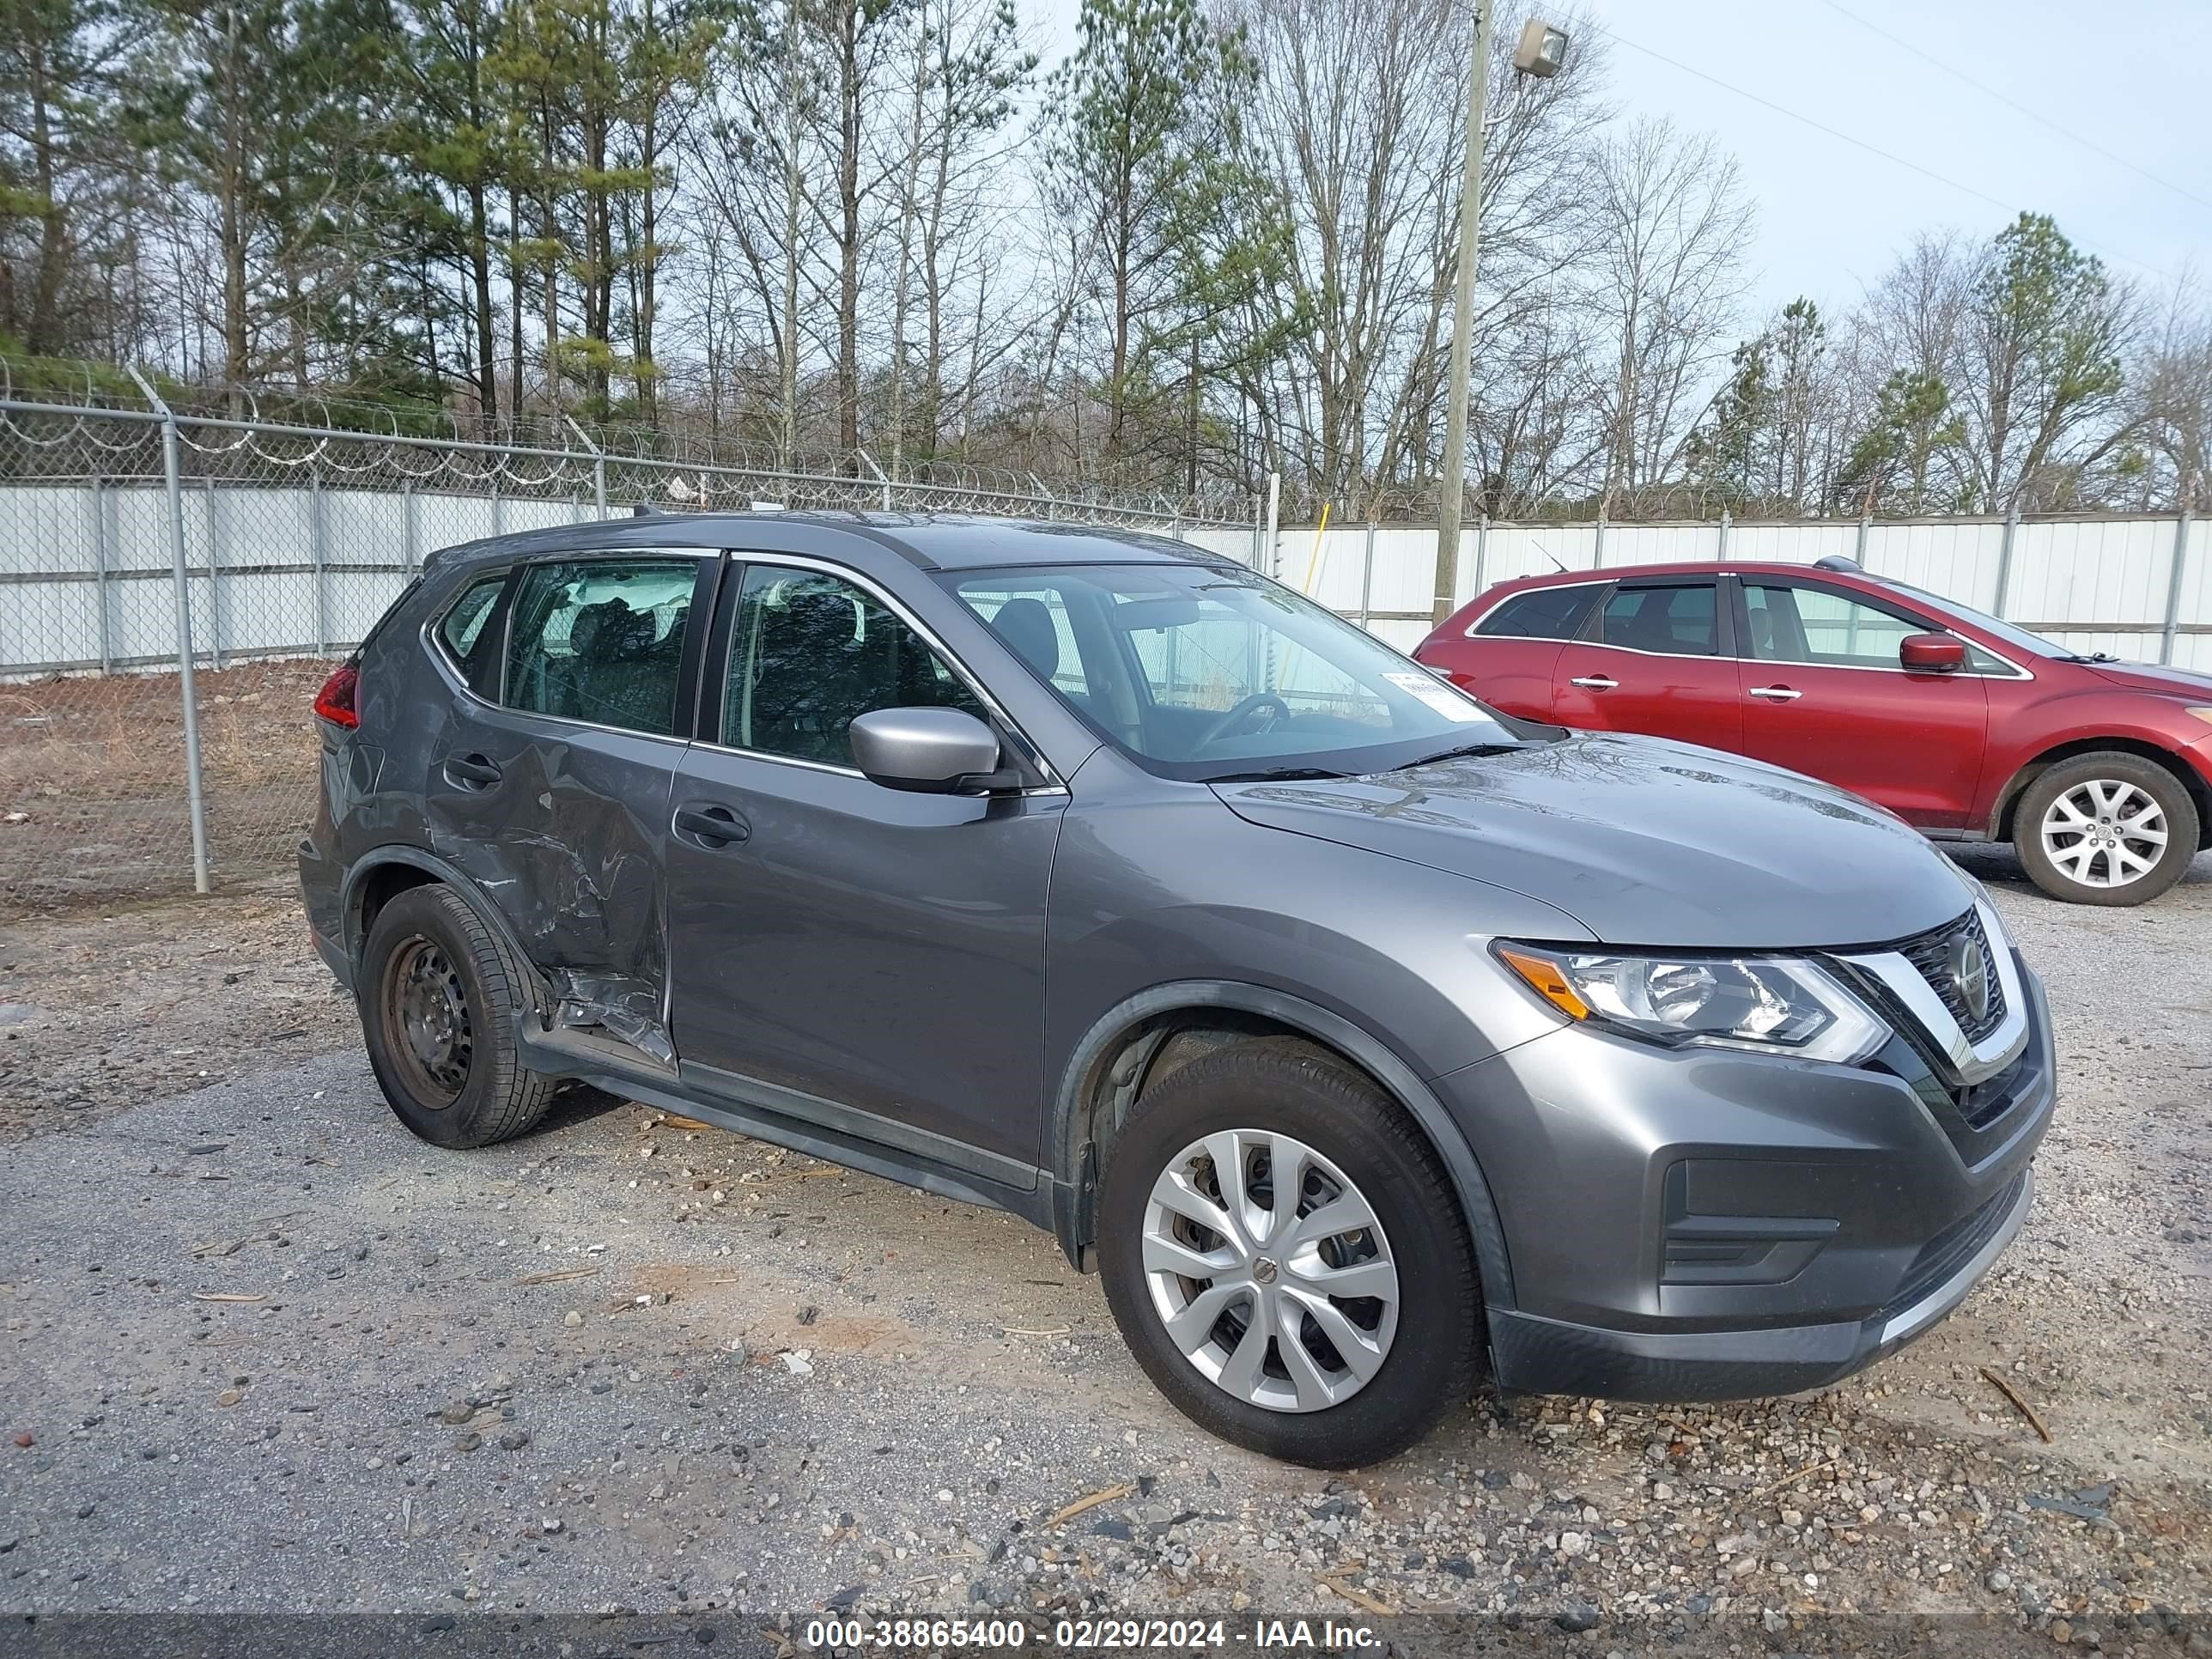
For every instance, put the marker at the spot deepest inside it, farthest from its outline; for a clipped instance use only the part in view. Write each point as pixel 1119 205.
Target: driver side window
pixel 809 651
pixel 1819 626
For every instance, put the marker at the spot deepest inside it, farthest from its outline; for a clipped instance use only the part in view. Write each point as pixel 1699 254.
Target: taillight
pixel 334 703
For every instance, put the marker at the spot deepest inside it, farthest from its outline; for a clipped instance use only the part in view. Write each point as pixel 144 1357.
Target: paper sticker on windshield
pixel 1438 697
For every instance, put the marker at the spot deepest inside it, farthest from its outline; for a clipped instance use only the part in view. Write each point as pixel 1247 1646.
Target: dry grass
pixel 97 764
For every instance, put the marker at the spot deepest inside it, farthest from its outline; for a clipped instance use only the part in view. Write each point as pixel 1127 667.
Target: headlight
pixel 1768 1003
pixel 2204 714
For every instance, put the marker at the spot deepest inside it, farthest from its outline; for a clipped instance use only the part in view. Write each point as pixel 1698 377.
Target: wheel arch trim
pixel 1072 1151
pixel 446 874
pixel 2001 825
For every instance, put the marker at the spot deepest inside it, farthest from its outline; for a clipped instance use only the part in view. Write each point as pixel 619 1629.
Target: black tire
pixel 472 1090
pixel 2105 766
pixel 1437 1355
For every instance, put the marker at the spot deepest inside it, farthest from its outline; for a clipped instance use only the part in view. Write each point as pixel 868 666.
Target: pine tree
pixel 1144 165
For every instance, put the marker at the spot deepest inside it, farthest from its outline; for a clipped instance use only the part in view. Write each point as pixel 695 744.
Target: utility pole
pixel 1542 52
pixel 1454 483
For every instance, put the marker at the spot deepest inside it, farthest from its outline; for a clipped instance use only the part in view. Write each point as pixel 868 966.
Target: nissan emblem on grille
pixel 1969 967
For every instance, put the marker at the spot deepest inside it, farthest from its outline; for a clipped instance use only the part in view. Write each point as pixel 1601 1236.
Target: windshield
pixel 2034 644
pixel 1211 672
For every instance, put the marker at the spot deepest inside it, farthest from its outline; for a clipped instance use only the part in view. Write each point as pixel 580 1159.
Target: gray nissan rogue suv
pixel 1366 1040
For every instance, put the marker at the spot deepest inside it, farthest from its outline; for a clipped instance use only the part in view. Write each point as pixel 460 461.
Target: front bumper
pixel 1552 1356
pixel 1707 1225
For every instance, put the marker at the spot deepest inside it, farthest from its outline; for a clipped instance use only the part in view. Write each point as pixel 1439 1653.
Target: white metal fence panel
pixel 293 541
pixel 126 768
pixel 2192 599
pixel 2093 583
pixel 1511 552
pixel 1958 559
pixel 1230 543
pixel 1660 544
pixel 1794 543
pixel 2115 572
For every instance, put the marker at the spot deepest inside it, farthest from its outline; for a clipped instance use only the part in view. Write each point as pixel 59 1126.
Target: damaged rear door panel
pixel 554 797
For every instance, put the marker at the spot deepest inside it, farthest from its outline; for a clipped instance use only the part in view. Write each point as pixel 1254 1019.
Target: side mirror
pixel 929 751
pixel 1932 653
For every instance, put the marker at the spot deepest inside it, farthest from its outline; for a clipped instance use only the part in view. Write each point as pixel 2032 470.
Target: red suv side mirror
pixel 1932 653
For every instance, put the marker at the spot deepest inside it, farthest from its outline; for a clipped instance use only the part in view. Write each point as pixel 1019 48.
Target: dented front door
pixel 555 799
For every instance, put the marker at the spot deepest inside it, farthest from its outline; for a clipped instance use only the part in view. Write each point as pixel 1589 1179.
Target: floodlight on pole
pixel 1540 54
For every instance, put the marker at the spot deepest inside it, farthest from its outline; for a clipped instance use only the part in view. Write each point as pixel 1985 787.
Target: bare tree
pixel 968 62
pixel 1361 113
pixel 2171 401
pixel 1664 276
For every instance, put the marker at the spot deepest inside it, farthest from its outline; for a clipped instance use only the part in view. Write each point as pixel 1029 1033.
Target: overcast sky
pixel 2132 80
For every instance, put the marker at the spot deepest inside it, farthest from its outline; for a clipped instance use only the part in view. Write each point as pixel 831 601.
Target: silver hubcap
pixel 1269 1271
pixel 2105 833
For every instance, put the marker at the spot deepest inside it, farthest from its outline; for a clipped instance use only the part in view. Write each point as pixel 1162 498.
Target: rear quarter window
pixel 464 629
pixel 1542 613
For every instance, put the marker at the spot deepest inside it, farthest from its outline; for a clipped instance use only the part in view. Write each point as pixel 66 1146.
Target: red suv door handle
pixel 1594 682
pixel 1776 693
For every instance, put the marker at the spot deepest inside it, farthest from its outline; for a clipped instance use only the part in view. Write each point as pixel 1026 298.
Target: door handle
pixel 713 827
pixel 1776 693
pixel 1594 682
pixel 471 772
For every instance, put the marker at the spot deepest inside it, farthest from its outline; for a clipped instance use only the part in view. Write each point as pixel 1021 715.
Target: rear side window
pixel 1545 613
pixel 601 641
pixel 1677 620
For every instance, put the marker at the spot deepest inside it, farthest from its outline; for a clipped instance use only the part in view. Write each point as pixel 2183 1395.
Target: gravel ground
pixel 104 1009
pixel 260 1351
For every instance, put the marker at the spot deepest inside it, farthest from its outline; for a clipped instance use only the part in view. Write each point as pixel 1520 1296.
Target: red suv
pixel 2099 771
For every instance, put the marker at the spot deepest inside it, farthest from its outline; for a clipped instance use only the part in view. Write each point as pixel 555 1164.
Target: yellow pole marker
pixel 1313 564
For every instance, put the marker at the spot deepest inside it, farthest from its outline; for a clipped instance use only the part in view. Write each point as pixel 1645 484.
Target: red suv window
pixel 1542 613
pixel 1676 620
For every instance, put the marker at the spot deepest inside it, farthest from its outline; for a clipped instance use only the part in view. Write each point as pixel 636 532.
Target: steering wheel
pixel 1242 712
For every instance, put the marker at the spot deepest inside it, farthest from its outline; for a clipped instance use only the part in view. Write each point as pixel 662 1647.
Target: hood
pixel 1643 840
pixel 2149 676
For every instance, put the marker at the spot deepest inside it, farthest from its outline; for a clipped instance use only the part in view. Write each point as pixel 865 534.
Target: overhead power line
pixel 1857 142
pixel 2011 103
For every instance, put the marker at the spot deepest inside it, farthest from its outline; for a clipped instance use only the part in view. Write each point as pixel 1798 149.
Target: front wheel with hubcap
pixel 1287 1258
pixel 2109 828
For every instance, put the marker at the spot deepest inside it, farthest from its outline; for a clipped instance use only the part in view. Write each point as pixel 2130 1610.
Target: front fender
pixel 1083 1076
pixel 2181 749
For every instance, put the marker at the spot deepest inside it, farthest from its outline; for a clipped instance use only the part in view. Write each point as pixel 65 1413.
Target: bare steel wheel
pixel 442 1001
pixel 2105 827
pixel 428 1010
pixel 2105 833
pixel 1269 1271
pixel 1287 1257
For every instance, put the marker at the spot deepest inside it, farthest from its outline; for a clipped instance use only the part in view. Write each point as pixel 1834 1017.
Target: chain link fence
pixel 175 584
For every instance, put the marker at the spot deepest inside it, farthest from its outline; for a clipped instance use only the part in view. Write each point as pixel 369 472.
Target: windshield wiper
pixel 1281 774
pixel 2094 656
pixel 1468 750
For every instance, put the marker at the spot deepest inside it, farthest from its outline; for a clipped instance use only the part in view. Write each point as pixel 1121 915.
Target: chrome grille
pixel 1933 956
